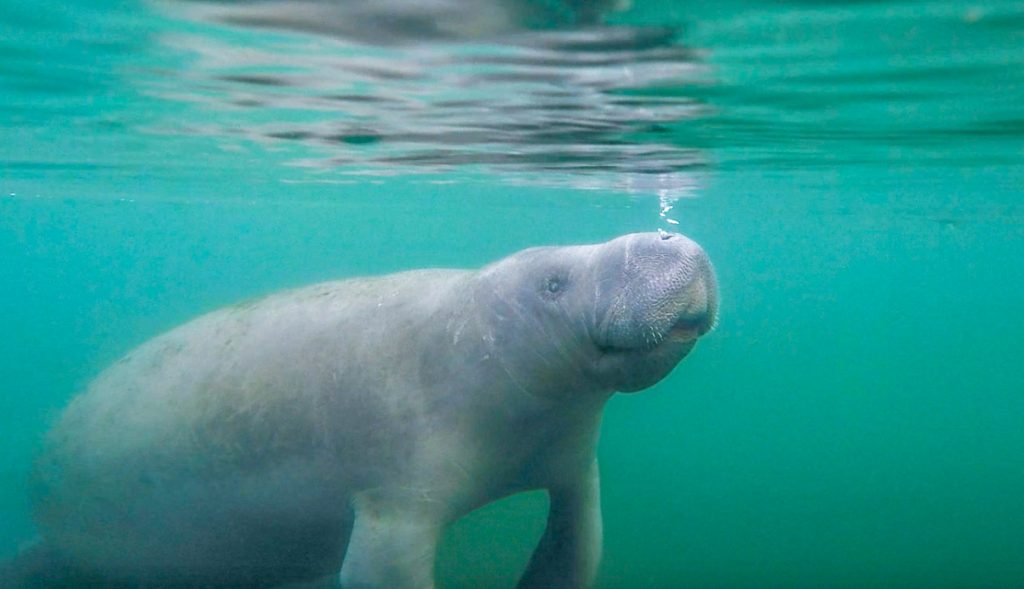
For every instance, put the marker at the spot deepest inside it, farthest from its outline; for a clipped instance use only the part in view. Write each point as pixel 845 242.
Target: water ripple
pixel 372 88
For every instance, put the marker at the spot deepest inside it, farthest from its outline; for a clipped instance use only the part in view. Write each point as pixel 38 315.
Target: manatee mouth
pixel 684 332
pixel 687 330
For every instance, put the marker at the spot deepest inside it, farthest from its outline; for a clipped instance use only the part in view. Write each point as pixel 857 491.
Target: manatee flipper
pixel 393 546
pixel 569 552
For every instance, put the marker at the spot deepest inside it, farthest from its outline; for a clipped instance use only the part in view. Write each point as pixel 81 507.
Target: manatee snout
pixel 665 297
pixel 696 299
pixel 667 289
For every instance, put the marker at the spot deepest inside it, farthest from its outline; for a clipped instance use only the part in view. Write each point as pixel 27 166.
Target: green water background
pixel 856 420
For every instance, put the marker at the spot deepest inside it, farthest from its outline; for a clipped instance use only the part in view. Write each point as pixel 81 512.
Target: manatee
pixel 333 431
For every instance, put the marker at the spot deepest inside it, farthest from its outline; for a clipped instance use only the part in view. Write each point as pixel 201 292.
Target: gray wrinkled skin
pixel 340 427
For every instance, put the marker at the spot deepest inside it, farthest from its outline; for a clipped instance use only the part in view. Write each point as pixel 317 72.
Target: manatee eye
pixel 554 286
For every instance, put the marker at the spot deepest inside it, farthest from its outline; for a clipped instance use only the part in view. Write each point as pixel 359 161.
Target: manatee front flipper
pixel 570 549
pixel 393 546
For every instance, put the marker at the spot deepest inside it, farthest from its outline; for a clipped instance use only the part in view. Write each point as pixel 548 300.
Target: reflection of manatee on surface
pixel 339 427
pixel 541 92
pixel 397 21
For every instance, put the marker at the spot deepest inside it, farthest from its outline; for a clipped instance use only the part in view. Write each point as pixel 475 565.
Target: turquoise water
pixel 854 170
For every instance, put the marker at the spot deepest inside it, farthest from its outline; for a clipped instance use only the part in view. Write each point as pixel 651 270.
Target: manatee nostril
pixel 665 235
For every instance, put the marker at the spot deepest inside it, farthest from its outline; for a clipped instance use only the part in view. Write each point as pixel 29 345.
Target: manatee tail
pixel 39 567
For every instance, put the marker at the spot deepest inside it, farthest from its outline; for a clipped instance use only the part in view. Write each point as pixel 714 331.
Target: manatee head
pixel 616 316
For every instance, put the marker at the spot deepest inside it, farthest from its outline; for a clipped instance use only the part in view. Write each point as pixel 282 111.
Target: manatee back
pixel 270 361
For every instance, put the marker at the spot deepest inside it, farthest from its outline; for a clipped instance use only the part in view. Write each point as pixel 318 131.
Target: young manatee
pixel 337 428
